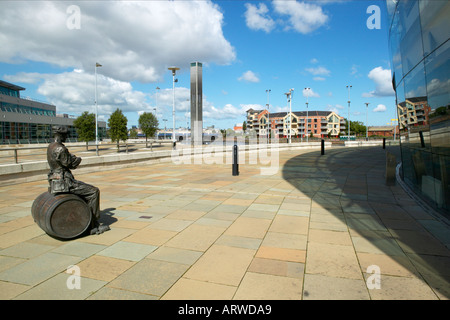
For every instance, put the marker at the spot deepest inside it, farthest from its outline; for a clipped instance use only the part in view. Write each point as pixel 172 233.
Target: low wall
pixel 38 170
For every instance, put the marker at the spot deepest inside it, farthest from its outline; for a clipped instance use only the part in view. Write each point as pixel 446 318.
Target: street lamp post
pixel 174 71
pixel 290 113
pixel 306 125
pixel 157 95
pixel 289 98
pixel 268 116
pixel 367 125
pixel 165 128
pixel 96 109
pixel 348 131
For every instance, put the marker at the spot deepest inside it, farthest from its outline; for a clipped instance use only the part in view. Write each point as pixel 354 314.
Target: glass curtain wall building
pixel 419 32
pixel 25 121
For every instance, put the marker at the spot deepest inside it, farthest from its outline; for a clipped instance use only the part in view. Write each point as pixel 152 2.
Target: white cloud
pixel 73 92
pixel 227 112
pixel 314 61
pixel 380 108
pixel 336 108
pixel 134 41
pixel 182 98
pixel 437 87
pixel 254 106
pixel 249 76
pixel 310 93
pixel 256 17
pixel 281 109
pixel 354 71
pixel 303 17
pixel 383 83
pixel 319 79
pixel 319 71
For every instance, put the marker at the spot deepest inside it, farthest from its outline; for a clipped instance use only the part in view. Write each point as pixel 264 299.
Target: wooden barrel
pixel 64 216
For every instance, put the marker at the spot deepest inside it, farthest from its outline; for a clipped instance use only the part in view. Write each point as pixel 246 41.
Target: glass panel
pixel 434 18
pixel 396 32
pixel 391 5
pixel 33 129
pixel 411 44
pixel 438 86
pixel 413 109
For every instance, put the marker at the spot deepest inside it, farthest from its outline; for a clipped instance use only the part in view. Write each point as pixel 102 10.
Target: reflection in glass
pixel 420 54
pixel 434 17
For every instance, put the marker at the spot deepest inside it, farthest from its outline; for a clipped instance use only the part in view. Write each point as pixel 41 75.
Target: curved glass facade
pixel 420 54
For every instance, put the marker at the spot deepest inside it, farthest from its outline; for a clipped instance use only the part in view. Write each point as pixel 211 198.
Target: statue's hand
pixel 75 162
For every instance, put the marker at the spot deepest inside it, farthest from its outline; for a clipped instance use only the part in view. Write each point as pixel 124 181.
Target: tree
pixel 356 127
pixel 133 134
pixel 117 124
pixel 148 124
pixel 244 126
pixel 85 126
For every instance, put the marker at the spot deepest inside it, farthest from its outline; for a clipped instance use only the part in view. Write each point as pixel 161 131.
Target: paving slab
pixel 230 265
pixel 149 276
pixel 182 256
pixel 402 288
pixel 332 260
pixel 103 268
pixel 106 293
pixel 56 288
pixel 38 269
pixel 323 287
pixel 189 289
pixel 259 286
pixel 127 250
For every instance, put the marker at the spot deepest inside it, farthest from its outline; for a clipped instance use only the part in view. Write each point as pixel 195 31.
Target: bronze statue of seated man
pixel 61 180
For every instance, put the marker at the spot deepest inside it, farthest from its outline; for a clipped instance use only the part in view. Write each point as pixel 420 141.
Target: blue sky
pixel 246 47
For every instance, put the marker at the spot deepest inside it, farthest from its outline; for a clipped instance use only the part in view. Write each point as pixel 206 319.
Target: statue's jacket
pixel 60 160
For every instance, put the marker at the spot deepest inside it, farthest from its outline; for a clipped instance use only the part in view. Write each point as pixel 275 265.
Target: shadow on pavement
pixel 106 216
pixel 349 183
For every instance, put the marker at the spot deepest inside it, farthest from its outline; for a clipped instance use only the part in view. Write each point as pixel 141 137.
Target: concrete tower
pixel 196 104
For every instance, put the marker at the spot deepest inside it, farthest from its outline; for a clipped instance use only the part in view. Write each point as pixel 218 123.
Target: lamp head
pixel 174 70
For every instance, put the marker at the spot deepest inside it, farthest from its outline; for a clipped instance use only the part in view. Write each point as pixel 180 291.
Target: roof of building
pixel 278 115
pixel 301 114
pixel 381 128
pixel 11 86
pixel 253 110
pixel 417 99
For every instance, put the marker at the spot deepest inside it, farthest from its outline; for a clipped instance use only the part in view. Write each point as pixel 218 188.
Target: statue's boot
pixel 100 229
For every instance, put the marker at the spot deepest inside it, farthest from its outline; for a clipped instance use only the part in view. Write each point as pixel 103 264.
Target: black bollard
pixel 384 143
pixel 422 141
pixel 322 147
pixel 235 161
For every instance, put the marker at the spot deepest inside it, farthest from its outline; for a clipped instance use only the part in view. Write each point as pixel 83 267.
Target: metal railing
pixel 10 155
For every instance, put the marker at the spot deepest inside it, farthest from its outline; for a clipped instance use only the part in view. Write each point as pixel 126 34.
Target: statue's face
pixel 61 137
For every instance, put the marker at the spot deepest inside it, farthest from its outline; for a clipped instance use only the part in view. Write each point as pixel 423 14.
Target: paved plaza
pixel 319 227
